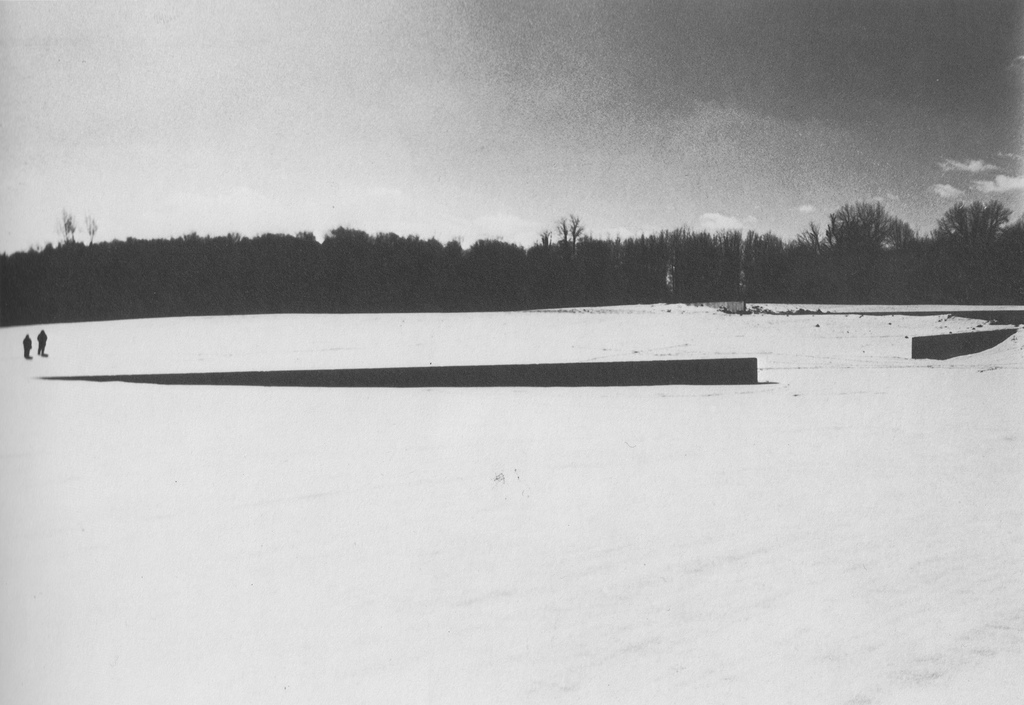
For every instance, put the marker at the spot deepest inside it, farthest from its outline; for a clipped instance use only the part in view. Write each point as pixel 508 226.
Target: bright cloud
pixel 1000 184
pixel 713 222
pixel 947 191
pixel 807 209
pixel 507 226
pixel 975 166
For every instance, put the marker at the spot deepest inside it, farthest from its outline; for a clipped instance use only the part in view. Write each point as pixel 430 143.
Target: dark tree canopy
pixel 864 228
pixel 975 256
pixel 972 225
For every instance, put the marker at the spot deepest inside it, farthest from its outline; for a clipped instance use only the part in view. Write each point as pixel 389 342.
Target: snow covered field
pixel 849 531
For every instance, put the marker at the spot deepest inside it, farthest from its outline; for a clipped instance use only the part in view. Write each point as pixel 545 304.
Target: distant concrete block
pixel 727 306
pixel 943 347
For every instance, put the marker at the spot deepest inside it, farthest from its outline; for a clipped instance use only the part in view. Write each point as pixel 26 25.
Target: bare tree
pixel 973 225
pixel 545 238
pixel 863 228
pixel 570 229
pixel 855 241
pixel 901 236
pixel 562 230
pixel 91 227
pixel 68 226
pixel 969 237
pixel 811 238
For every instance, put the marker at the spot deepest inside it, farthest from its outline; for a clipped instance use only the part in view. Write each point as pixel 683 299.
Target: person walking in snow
pixel 27 344
pixel 42 343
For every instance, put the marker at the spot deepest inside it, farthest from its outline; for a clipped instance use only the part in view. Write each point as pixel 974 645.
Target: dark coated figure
pixel 42 343
pixel 27 344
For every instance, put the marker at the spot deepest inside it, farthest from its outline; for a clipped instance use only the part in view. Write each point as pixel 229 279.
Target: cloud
pixel 975 166
pixel 507 226
pixel 887 198
pixel 1018 63
pixel 1000 184
pixel 947 191
pixel 807 209
pixel 713 222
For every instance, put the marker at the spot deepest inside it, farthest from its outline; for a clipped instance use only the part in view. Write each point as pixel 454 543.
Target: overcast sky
pixel 472 118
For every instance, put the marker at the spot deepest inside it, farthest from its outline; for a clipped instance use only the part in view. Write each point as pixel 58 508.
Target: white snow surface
pixel 849 531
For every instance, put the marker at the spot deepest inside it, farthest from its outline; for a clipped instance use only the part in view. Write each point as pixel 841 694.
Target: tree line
pixel 861 255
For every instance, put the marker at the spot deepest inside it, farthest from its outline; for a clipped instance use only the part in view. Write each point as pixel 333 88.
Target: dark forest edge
pixel 864 255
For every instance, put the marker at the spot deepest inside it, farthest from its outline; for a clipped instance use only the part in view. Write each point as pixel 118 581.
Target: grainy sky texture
pixel 486 118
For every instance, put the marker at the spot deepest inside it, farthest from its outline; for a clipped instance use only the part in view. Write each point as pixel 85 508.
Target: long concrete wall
pixel 583 374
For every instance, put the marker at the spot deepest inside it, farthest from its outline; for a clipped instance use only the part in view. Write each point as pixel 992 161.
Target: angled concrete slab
pixel 578 374
pixel 944 347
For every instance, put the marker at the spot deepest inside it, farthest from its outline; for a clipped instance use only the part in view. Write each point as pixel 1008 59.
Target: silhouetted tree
pixel 966 239
pixel 91 227
pixel 68 227
pixel 1010 258
pixel 861 227
pixel 901 236
pixel 811 238
pixel 765 268
pixel 854 241
pixel 570 229
pixel 972 226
